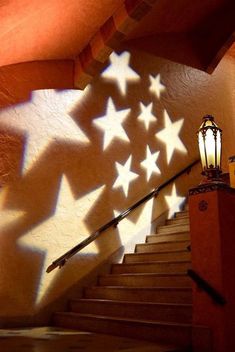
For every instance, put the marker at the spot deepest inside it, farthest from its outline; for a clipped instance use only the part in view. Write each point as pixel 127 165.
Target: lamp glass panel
pixel 210 148
pixel 202 150
pixel 218 148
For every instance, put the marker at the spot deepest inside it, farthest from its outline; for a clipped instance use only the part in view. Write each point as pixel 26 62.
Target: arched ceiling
pixel 63 44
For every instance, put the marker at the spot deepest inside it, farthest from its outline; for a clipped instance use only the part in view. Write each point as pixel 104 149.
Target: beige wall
pixel 58 177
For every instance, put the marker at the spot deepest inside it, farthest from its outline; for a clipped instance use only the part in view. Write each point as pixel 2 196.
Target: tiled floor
pixel 47 339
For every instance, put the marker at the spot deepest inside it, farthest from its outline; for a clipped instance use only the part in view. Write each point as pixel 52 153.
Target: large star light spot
pixel 150 163
pixel 125 176
pixel 135 232
pixel 59 233
pixel 174 201
pixel 120 71
pixel 146 115
pixel 43 120
pixel 111 124
pixel 8 216
pixel 156 86
pixel 170 136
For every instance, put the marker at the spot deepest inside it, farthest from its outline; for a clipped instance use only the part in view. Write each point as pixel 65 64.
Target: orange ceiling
pixel 49 29
pixel 62 44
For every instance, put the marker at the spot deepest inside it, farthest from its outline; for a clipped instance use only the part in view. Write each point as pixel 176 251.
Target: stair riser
pixel 180 314
pixel 133 281
pixel 182 214
pixel 161 247
pixel 143 295
pixel 172 229
pixel 178 221
pixel 161 267
pixel 152 332
pixel 151 257
pixel 168 238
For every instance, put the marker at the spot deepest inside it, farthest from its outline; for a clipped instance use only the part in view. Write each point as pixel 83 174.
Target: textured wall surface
pixel 71 160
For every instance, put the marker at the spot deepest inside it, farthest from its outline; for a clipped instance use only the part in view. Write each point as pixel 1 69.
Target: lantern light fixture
pixel 210 143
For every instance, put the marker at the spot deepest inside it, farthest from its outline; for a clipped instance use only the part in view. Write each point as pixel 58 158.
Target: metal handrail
pixel 114 222
pixel 205 286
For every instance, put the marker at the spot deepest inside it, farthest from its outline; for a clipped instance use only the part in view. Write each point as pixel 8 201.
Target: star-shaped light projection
pixel 43 120
pixel 59 233
pixel 170 136
pixel 120 71
pixel 125 176
pixel 131 232
pixel 173 201
pixel 111 124
pixel 156 86
pixel 150 163
pixel 8 216
pixel 146 115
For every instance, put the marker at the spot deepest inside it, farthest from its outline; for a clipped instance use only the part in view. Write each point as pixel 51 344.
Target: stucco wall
pixel 66 169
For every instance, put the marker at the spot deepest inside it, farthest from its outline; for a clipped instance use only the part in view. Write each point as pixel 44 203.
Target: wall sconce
pixel 209 140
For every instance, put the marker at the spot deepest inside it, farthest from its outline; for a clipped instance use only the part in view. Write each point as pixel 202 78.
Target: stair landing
pixel 45 339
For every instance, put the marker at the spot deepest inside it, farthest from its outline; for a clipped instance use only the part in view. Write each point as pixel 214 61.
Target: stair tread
pixel 169 234
pixel 113 301
pixel 171 225
pixel 160 243
pixel 143 288
pixel 155 262
pixel 145 274
pixel 171 251
pixel 138 321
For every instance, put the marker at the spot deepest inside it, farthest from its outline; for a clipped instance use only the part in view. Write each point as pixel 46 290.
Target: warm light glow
pixel 209 140
pixel 202 150
pixel 150 163
pixel 218 147
pixel 120 71
pixel 125 176
pixel 156 86
pixel 60 232
pixel 111 124
pixel 146 115
pixel 174 201
pixel 170 136
pixel 45 119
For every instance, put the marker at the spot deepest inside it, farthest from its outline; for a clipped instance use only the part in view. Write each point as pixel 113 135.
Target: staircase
pixel 148 296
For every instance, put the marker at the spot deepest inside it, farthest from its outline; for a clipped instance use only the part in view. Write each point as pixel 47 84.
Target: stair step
pixel 168 229
pixel 135 310
pixel 178 334
pixel 151 257
pixel 181 236
pixel 152 267
pixel 142 280
pixel 182 214
pixel 144 294
pixel 178 221
pixel 161 247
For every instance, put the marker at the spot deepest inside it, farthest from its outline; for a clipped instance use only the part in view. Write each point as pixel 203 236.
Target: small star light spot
pixel 170 136
pixel 156 86
pixel 111 124
pixel 146 115
pixel 174 202
pixel 125 176
pixel 149 164
pixel 59 233
pixel 45 119
pixel 120 71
